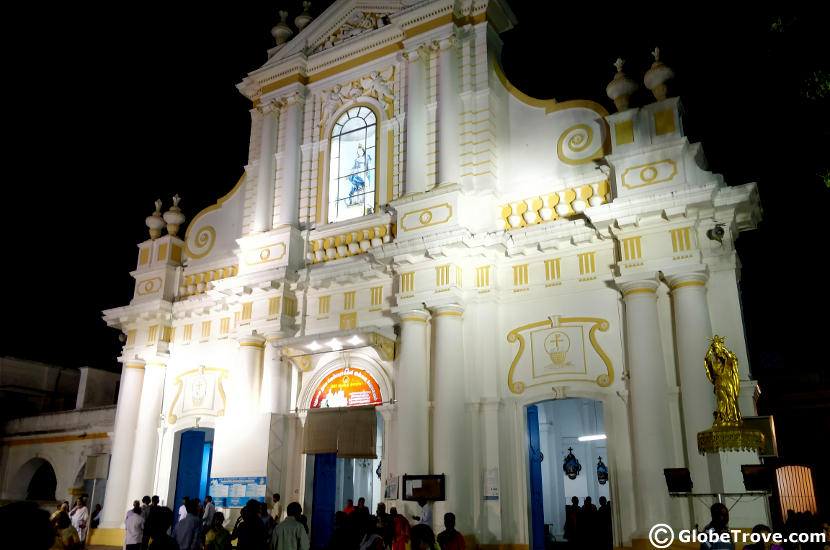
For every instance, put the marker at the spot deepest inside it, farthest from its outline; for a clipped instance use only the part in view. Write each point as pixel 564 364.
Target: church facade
pixel 423 271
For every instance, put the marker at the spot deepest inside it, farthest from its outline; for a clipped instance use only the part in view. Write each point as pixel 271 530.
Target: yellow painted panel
pixel 664 122
pixel 624 131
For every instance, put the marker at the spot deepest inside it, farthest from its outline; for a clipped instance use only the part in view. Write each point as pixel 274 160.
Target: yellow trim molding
pixel 636 290
pixel 51 439
pixel 688 283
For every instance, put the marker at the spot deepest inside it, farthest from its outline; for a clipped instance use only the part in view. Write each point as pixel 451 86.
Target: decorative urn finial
pixel 174 217
pixel 621 88
pixel 302 20
pixel 656 77
pixel 282 32
pixel 155 222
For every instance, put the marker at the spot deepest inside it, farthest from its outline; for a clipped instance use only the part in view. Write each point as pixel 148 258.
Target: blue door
pixel 189 478
pixel 537 513
pixel 325 491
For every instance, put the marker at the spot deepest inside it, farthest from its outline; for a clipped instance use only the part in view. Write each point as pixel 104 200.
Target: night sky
pixel 110 110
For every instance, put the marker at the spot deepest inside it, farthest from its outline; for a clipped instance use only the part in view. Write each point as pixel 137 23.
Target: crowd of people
pixel 587 526
pixel 200 526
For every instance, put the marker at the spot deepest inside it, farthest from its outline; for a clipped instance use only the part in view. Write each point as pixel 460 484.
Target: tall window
pixel 352 165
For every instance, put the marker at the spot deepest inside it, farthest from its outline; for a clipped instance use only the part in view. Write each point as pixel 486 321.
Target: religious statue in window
pixel 352 165
pixel 572 467
pixel 602 472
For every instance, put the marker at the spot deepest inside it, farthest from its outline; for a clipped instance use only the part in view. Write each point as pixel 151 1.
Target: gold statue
pixel 722 371
pixel 727 433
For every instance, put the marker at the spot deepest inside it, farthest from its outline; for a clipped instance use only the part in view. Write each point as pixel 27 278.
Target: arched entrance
pixel 568 458
pixel 35 480
pixel 343 440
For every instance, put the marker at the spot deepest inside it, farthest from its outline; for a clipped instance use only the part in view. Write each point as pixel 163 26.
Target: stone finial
pixel 621 88
pixel 174 217
pixel 302 20
pixel 656 77
pixel 155 222
pixel 282 32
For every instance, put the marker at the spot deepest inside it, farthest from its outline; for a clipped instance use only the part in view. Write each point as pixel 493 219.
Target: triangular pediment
pixel 342 21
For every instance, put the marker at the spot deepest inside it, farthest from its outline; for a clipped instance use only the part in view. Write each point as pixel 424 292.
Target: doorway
pixel 338 479
pixel 194 461
pixel 567 456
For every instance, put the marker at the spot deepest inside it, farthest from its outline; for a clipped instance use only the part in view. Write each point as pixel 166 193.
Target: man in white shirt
pixel 426 512
pixel 183 508
pixel 134 524
pixel 276 511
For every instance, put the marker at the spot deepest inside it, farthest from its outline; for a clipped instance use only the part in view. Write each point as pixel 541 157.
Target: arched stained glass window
pixel 352 165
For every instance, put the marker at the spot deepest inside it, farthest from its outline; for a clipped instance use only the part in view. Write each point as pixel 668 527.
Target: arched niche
pixel 34 480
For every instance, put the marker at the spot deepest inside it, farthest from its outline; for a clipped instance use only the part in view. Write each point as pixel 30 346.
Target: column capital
pixel 413 315
pixel 687 276
pixel 156 363
pixel 448 310
pixel 135 363
pixel 270 107
pixel 443 44
pixel 251 340
pixel 637 284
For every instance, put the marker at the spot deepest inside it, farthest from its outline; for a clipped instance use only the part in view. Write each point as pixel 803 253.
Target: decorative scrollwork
pixel 579 144
pixel 202 242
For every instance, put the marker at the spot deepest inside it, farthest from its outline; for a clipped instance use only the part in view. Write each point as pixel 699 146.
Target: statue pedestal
pixel 725 477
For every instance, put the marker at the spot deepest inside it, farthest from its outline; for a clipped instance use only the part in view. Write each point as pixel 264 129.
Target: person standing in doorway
pixel 449 538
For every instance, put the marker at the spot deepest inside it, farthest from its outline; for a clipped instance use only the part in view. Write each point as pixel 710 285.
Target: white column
pixel 450 435
pixel 264 209
pixel 388 458
pixel 126 416
pixel 416 142
pixel 411 394
pixel 145 449
pixel 292 118
pixel 275 394
pixel 693 328
pixel 448 109
pixel 650 428
pixel 248 375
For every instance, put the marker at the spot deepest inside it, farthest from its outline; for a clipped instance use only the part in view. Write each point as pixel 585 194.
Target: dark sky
pixel 110 110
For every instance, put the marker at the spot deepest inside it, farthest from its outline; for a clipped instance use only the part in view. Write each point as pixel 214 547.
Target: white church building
pixel 425 272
